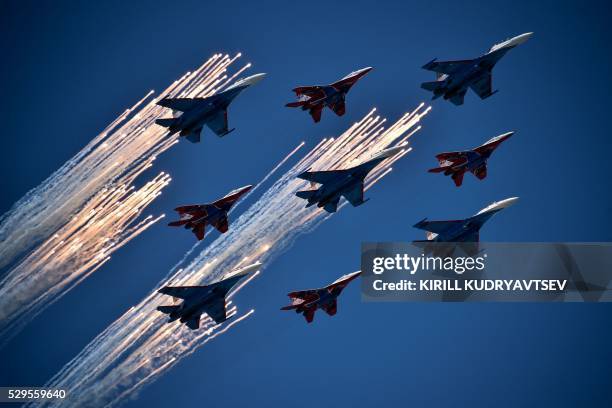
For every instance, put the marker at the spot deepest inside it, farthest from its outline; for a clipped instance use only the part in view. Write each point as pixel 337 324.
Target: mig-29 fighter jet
pixel 209 299
pixel 195 217
pixel 347 183
pixel 456 164
pixel 455 77
pixel 315 98
pixel 210 111
pixel 308 301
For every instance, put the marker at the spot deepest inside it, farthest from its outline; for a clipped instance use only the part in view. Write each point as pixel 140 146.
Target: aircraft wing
pixel 437 227
pixel 216 310
pixel 355 195
pixel 483 87
pixel 321 177
pixel 339 108
pixel 180 104
pixel 184 292
pixel 218 123
pixel 446 67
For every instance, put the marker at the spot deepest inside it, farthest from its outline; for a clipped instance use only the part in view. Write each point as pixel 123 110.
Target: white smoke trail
pixel 140 345
pixel 67 227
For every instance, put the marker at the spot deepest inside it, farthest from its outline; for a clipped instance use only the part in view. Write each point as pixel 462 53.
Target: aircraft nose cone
pixel 245 189
pixel 499 205
pixel 362 71
pixel 508 202
pixel 253 79
pixel 246 270
pixel 519 39
pixel 504 203
pixel 392 151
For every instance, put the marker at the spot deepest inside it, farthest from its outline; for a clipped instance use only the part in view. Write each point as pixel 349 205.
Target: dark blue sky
pixel 69 69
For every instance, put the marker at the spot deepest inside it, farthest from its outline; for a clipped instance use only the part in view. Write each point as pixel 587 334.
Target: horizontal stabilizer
pixel 321 177
pixel 168 309
pixel 306 194
pixel 295 104
pixel 181 104
pixel 439 169
pixel 431 86
pixel 165 122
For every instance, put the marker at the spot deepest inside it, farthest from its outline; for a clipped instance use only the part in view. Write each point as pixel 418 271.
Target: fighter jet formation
pixel 314 98
pixel 453 78
pixel 329 186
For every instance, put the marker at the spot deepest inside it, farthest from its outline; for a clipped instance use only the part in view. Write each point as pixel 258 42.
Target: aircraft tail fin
pixel 165 122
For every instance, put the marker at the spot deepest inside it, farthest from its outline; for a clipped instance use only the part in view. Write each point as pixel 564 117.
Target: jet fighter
pixel 210 111
pixel 196 217
pixel 456 164
pixel 315 98
pixel 308 301
pixel 346 183
pixel 466 232
pixel 209 299
pixel 453 78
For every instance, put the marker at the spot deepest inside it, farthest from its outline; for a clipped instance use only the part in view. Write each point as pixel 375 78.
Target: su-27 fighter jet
pixel 456 164
pixel 209 299
pixel 308 301
pixel 466 232
pixel 346 183
pixel 210 111
pixel 455 77
pixel 315 98
pixel 195 217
